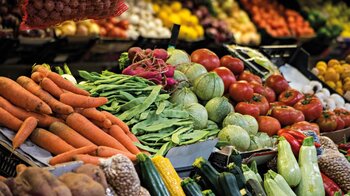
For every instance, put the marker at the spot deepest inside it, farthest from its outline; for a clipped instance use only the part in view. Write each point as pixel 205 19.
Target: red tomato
pixel 264 90
pixel 268 125
pixel 278 83
pixel 124 24
pixel 344 115
pixel 261 102
pixel 241 91
pixel 287 115
pixel 247 108
pixel 290 97
pixel 311 108
pixel 277 103
pixel 206 58
pixel 249 77
pixel 340 123
pixel 306 126
pixel 226 75
pixel 233 64
pixel 327 121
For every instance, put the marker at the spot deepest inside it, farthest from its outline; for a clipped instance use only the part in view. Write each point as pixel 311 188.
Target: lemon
pixel 346 86
pixel 333 62
pixel 163 15
pixel 339 68
pixel 321 64
pixel 339 84
pixel 331 84
pixel 340 91
pixel 174 19
pixel 347 80
pixel 193 20
pixel 199 30
pixel 345 74
pixel 321 70
pixel 176 6
pixel 321 78
pixel 331 75
pixel 166 9
pixel 156 8
pixel 192 34
pixel 185 14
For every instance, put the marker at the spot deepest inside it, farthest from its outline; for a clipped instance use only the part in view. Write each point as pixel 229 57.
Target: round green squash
pixel 199 115
pixel 208 86
pixel 235 136
pixel 192 70
pixel 247 122
pixel 218 108
pixel 184 96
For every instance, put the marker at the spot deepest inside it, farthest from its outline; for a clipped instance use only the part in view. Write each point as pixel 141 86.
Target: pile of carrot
pixel 62 118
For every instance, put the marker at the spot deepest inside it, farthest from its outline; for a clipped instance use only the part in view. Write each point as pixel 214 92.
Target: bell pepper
pixel 329 186
pixel 344 146
pixel 293 143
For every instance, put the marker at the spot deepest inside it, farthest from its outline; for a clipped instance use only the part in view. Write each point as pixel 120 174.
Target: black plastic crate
pixel 9 159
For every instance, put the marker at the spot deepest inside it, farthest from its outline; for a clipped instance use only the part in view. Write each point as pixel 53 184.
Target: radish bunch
pixel 44 13
pixel 150 64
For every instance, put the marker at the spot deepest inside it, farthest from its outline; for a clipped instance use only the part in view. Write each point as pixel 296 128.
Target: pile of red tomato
pixel 273 103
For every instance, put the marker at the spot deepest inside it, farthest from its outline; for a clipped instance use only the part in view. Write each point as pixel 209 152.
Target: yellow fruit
pixel 347 79
pixel 321 78
pixel 176 6
pixel 162 15
pixel 331 84
pixel 199 29
pixel 192 34
pixel 333 62
pixel 345 74
pixel 331 75
pixel 321 64
pixel 166 9
pixel 185 14
pixel 193 20
pixel 339 84
pixel 321 70
pixel 174 19
pixel 339 68
pixel 156 8
pixel 340 91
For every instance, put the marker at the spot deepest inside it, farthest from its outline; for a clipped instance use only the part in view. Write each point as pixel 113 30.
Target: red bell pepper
pixel 348 153
pixel 297 135
pixel 295 145
pixel 329 186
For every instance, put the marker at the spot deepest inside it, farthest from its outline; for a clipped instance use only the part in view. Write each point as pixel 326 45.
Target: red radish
pixel 133 51
pixel 160 54
pixel 170 72
pixel 171 81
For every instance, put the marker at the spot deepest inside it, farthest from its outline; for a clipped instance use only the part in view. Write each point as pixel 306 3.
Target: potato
pixel 36 181
pixel 4 189
pixel 82 185
pixel 94 172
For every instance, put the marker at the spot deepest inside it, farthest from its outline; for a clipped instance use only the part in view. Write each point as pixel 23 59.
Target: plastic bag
pixel 46 13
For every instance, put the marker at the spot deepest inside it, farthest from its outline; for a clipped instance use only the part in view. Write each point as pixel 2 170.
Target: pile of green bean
pixel 144 106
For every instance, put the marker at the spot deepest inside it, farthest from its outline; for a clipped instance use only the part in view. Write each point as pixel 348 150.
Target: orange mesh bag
pixel 46 13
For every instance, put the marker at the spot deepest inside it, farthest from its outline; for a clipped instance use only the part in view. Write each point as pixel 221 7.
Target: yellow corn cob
pixel 170 177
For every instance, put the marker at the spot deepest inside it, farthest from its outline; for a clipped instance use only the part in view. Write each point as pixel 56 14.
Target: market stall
pixel 172 98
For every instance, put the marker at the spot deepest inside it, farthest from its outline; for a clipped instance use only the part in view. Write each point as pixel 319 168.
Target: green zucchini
pixel 255 187
pixel 209 174
pixel 228 184
pixel 236 158
pixel 190 187
pixel 237 172
pixel 150 177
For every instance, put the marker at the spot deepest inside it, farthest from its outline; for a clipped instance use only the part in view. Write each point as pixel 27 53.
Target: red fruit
pixel 264 90
pixel 311 108
pixel 290 97
pixel 287 115
pixel 249 77
pixel 261 102
pixel 233 64
pixel 340 123
pixel 327 121
pixel 278 83
pixel 241 91
pixel 226 75
pixel 248 109
pixel 206 58
pixel 306 126
pixel 344 115
pixel 268 125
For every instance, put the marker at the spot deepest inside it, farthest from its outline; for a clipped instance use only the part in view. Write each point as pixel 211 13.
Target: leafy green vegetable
pixel 124 60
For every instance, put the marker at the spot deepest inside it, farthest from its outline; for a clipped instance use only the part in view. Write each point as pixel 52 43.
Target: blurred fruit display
pixel 238 22
pixel 82 28
pixel 175 13
pixel 277 20
pixel 10 17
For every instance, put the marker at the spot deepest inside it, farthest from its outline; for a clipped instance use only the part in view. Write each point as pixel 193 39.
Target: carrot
pixel 37 76
pixel 81 101
pixel 103 125
pixel 92 113
pixel 69 135
pixel 44 119
pixel 9 121
pixel 68 156
pixel 24 131
pixel 116 121
pixel 133 137
pixel 34 88
pixel 90 131
pixel 50 141
pixel 61 116
pixel 88 159
pixel 105 151
pixel 19 96
pixel 65 84
pixel 41 68
pixel 20 168
pixel 118 133
pixel 51 87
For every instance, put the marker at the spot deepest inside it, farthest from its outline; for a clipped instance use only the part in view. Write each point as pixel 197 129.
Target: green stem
pixel 309 141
